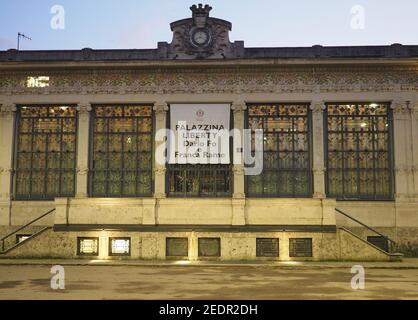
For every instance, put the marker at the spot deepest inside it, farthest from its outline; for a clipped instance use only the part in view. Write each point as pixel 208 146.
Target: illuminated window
pixel 121 158
pixel 300 248
pixel 45 152
pixel 209 247
pixel 119 246
pixel 22 237
pixel 37 82
pixel 287 163
pixel 359 151
pixel 88 246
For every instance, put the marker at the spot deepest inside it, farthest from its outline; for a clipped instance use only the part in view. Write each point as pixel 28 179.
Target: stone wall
pixel 234 246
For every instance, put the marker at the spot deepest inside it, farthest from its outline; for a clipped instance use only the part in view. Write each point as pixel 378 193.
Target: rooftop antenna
pixel 21 35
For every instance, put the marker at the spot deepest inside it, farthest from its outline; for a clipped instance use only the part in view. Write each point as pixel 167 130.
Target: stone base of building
pixel 341 245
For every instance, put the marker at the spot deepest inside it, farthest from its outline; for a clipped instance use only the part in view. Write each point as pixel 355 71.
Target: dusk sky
pixel 112 24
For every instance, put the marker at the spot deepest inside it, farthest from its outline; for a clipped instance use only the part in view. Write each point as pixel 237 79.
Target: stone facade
pixel 223 72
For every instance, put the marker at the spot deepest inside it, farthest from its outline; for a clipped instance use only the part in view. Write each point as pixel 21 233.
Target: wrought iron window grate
pixel 121 154
pixel 359 151
pixel 45 152
pixel 287 150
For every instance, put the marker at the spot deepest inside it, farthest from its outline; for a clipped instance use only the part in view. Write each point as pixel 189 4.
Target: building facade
pixel 80 131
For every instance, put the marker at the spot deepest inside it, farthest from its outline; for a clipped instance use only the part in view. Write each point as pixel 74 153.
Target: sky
pixel 126 24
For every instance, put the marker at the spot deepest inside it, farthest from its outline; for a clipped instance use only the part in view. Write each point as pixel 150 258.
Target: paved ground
pixel 316 281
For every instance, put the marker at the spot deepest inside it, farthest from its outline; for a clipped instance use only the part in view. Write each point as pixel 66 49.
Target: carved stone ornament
pixel 160 171
pixel 238 107
pixel 318 107
pixel 238 170
pixel 161 108
pixel 400 107
pixel 84 108
pixel 319 170
pixel 201 36
pixel 7 109
pixel 229 80
pixel 82 171
pixel 414 108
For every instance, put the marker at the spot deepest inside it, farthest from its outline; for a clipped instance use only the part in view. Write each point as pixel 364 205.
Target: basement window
pixel 88 246
pixel 300 248
pixel 119 246
pixel 22 237
pixel 37 82
pixel 267 247
pixel 209 247
pixel 177 247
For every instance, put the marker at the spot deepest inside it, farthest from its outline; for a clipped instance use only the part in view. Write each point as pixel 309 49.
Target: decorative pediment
pixel 201 37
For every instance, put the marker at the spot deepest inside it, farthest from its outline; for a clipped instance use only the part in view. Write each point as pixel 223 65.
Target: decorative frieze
pixel 201 80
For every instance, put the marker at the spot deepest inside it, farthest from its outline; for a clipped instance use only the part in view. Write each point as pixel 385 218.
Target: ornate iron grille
pixel 287 159
pixel 199 180
pixel 359 151
pixel 121 154
pixel 45 152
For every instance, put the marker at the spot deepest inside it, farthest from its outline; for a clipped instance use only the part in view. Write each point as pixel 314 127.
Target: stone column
pixel 6 166
pixel 238 202
pixel 402 150
pixel 83 149
pixel 160 111
pixel 318 167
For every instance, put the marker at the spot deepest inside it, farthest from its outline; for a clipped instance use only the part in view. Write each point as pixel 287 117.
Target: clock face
pixel 201 37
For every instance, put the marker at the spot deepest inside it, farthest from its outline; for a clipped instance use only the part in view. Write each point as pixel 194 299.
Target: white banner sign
pixel 200 134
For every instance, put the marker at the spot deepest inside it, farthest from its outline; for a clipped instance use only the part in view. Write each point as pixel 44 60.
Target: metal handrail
pixel 365 225
pixel 23 227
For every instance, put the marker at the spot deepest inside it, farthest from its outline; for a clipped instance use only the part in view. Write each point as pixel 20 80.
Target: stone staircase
pixel 379 241
pixel 10 242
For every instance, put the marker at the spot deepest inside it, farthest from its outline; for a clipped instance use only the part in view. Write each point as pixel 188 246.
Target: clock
pixel 201 37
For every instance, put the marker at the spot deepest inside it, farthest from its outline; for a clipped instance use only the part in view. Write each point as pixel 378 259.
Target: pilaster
pixel 238 202
pixel 402 150
pixel 160 111
pixel 7 116
pixel 318 169
pixel 414 138
pixel 84 110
